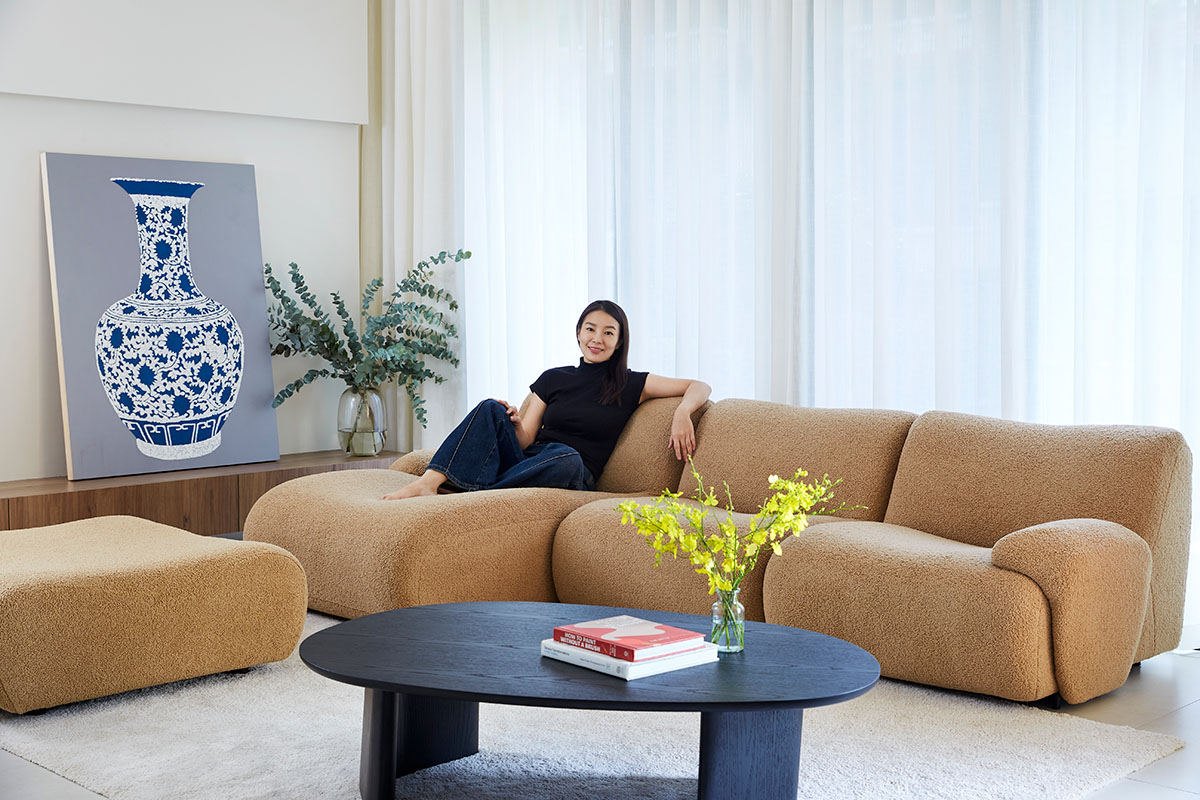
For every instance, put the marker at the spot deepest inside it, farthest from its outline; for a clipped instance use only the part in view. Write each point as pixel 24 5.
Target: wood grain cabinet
pixel 205 501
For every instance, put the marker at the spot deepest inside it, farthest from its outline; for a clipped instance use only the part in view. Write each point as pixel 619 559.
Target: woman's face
pixel 599 337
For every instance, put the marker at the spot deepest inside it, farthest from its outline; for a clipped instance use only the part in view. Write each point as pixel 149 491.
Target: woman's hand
pixel 683 435
pixel 514 413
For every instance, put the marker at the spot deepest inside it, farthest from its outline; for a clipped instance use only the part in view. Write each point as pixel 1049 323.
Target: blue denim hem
pixel 453 480
pixel 589 481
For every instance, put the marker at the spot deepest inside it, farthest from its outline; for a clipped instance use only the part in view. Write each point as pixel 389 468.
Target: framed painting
pixel 160 314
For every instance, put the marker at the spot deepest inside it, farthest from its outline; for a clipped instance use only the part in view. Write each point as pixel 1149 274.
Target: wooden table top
pixel 489 652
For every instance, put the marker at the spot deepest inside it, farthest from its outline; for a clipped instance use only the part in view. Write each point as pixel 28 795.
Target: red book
pixel 628 638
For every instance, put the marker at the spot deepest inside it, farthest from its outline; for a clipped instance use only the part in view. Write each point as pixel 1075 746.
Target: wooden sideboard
pixel 205 501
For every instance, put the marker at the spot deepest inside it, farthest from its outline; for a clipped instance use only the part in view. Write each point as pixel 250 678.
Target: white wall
pixel 303 140
pixel 302 59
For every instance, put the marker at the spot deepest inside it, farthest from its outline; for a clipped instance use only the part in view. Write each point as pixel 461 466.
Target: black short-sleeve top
pixel 574 415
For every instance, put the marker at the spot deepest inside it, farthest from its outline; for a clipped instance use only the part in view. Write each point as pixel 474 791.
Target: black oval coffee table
pixel 426 669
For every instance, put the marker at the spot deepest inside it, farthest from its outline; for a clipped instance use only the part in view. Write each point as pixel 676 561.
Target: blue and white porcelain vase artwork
pixel 170 359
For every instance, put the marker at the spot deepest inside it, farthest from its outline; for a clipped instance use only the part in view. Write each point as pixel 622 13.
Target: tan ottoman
pixel 105 605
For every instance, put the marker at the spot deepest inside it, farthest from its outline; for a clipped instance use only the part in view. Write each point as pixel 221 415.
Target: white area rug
pixel 282 731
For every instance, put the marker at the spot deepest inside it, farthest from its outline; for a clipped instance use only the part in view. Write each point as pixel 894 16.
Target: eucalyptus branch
pixel 373 349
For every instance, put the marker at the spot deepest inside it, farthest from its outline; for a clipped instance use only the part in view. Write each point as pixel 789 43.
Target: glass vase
pixel 362 424
pixel 728 622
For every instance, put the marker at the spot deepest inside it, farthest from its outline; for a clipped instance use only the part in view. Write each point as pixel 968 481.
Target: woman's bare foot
pixel 414 489
pixel 427 484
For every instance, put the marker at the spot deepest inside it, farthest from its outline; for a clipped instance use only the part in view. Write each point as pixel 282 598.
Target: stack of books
pixel 628 647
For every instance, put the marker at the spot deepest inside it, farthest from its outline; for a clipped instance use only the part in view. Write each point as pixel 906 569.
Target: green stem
pixel 362 406
pixel 728 629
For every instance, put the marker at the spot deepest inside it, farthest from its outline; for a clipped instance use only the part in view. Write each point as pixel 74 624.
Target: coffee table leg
pixel 377 762
pixel 750 754
pixel 434 730
pixel 405 733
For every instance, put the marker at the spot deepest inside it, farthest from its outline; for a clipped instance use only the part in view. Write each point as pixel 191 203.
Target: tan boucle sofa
pixel 363 554
pixel 996 557
pixel 1062 551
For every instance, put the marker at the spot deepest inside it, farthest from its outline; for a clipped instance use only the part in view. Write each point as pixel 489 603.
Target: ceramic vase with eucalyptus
pixel 170 359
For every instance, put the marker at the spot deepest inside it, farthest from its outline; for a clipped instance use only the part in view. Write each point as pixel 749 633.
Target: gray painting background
pixel 94 247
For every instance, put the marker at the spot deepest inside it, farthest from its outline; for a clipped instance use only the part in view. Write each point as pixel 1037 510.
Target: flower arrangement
pixel 392 344
pixel 726 556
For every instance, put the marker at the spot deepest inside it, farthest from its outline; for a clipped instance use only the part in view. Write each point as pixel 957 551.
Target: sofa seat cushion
pixel 110 604
pixel 364 554
pixel 599 561
pixel 932 610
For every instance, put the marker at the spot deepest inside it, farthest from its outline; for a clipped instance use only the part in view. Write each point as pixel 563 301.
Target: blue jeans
pixel 483 453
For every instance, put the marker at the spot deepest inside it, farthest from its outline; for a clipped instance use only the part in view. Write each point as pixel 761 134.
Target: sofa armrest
pixel 1096 576
pixel 413 463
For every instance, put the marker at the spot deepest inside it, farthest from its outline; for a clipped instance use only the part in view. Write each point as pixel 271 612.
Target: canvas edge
pixel 58 344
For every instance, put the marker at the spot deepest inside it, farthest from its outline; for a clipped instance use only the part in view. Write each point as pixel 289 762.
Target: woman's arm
pixel 530 423
pixel 694 393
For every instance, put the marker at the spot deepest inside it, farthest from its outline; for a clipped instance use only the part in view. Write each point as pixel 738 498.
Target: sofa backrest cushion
pixel 975 479
pixel 641 463
pixel 742 442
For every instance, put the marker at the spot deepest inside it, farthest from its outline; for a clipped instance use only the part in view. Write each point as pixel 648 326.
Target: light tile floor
pixel 1162 695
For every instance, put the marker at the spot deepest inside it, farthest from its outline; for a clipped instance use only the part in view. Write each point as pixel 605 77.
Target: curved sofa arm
pixel 1096 576
pixel 413 463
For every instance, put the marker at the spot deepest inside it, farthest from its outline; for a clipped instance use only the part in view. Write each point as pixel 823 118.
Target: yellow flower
pixel 670 526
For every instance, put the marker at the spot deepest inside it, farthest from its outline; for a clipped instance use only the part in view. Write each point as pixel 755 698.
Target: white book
pixel 705 653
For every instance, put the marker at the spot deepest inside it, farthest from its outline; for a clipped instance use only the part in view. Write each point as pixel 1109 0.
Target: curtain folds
pixel 648 153
pixel 423 209
pixel 1006 211
pixel 967 205
pixel 1007 194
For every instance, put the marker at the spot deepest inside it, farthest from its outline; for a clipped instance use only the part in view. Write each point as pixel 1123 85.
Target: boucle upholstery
pixel 742 442
pixel 1096 577
pixel 977 479
pixel 413 463
pixel 593 535
pixel 997 557
pixel 932 610
pixel 364 554
pixel 110 604
pixel 643 461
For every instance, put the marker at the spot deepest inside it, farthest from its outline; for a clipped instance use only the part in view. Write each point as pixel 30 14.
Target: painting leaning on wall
pixel 160 314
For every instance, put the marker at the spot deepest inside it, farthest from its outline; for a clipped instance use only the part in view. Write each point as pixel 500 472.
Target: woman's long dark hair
pixel 617 374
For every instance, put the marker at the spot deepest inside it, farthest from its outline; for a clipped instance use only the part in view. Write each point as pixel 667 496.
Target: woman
pixel 571 425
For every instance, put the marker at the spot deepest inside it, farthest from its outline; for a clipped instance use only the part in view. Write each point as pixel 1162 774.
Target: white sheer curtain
pixel 959 204
pixel 1007 210
pixel 422 189
pixel 1008 191
pixel 526 173
pixel 648 153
